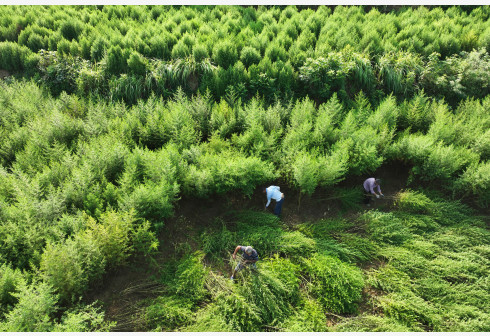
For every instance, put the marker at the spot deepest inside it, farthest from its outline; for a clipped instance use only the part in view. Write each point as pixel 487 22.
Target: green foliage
pixel 216 243
pixel 382 85
pixel 10 282
pixel 167 313
pixel 112 236
pixel 409 309
pixel 71 266
pixel 335 284
pixel 137 64
pixel 238 313
pixel 36 306
pixel 386 228
pixel 414 202
pixel 14 57
pixel 308 318
pixel 371 323
pixel 116 60
pixel 389 279
pixel 226 171
pixel 71 29
pixel 475 179
pixel 84 319
pixel 190 277
pixel 225 54
pixel 249 56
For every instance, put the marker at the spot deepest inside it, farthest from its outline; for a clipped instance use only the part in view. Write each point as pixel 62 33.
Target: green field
pixel 135 142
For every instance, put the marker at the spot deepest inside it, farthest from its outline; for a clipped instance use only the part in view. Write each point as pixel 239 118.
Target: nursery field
pixel 135 142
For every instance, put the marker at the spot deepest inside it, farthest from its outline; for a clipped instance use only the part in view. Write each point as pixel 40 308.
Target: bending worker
pixel 275 193
pixel 369 186
pixel 249 255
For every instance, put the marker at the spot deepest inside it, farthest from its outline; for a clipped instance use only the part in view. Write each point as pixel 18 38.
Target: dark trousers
pixel 278 207
pixel 367 198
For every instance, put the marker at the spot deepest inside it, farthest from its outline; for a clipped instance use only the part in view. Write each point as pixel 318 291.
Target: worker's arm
pixel 379 190
pixel 236 251
pixel 371 188
pixel 269 196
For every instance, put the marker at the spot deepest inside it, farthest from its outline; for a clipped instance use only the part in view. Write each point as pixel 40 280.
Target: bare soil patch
pixel 4 73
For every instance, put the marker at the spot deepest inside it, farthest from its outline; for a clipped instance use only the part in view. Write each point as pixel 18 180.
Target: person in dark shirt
pixel 249 255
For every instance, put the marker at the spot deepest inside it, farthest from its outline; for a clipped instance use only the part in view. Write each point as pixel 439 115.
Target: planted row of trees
pixel 286 53
pixel 229 33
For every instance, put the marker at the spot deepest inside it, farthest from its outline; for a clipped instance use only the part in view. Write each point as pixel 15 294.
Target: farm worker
pixel 369 186
pixel 275 193
pixel 249 256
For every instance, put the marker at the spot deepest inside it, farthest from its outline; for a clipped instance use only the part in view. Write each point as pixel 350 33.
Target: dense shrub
pixel 308 318
pixel 84 319
pixel 225 54
pixel 70 267
pixel 226 171
pixel 415 202
pixel 336 285
pixel 11 281
pixel 385 227
pixel 190 277
pixel 167 313
pixel 37 304
pixel 249 56
pixel 14 57
pixel 116 60
pixel 137 64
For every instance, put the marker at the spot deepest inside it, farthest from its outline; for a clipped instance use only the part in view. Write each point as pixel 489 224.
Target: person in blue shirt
pixel 249 255
pixel 274 192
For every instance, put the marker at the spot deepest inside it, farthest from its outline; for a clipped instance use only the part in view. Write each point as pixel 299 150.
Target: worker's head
pixel 264 190
pixel 248 250
pixel 377 181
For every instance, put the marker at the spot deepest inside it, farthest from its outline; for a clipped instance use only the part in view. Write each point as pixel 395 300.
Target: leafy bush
pixel 308 318
pixel 36 305
pixel 152 201
pixel 116 60
pixel 225 54
pixel 137 64
pixel 475 179
pixel 112 236
pixel 386 228
pixel 414 202
pixel 83 319
pixel 226 171
pixel 71 29
pixel 167 313
pixel 249 56
pixel 10 282
pixel 14 57
pixel 70 267
pixel 336 285
pixel 190 277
